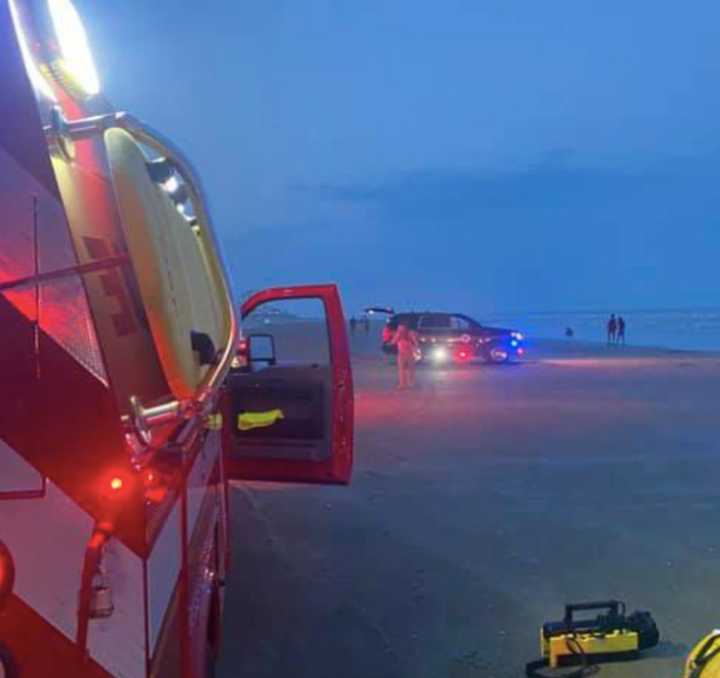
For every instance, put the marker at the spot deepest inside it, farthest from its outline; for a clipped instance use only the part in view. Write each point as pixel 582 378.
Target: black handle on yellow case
pixel 612 606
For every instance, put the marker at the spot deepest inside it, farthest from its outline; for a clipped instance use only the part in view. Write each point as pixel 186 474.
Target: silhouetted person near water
pixel 353 325
pixel 612 329
pixel 620 330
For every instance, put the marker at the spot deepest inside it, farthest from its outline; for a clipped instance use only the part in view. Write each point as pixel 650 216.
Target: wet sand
pixel 481 503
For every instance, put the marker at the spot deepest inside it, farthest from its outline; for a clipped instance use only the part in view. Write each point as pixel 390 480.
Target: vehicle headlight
pixel 439 354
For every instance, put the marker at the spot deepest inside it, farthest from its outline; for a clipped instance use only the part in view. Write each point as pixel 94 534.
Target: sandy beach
pixel 481 503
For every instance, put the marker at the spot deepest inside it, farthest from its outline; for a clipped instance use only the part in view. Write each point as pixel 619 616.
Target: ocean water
pixel 693 329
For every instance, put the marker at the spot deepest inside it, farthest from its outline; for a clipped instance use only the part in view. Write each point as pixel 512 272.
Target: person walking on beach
pixel 611 329
pixel 620 330
pixel 407 343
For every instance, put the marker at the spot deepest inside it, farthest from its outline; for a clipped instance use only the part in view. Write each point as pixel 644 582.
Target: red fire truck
pixel 125 380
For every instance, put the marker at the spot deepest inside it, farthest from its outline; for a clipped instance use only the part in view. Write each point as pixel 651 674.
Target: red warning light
pixel 116 485
pixel 7 573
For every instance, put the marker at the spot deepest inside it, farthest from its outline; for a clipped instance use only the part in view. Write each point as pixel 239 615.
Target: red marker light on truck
pixel 7 574
pixel 114 486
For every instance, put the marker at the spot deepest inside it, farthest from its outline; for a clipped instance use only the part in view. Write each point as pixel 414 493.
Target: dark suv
pixel 453 337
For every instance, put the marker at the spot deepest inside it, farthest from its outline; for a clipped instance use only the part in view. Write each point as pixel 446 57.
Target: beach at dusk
pixel 482 503
pixel 359 339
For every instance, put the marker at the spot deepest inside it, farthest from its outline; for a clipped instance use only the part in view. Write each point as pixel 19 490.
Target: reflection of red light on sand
pixel 374 406
pixel 615 363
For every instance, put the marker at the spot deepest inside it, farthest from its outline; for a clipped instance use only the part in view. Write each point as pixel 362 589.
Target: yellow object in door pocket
pixel 251 420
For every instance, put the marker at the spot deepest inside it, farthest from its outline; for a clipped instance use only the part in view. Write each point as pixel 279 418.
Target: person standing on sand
pixel 407 343
pixel 611 329
pixel 620 330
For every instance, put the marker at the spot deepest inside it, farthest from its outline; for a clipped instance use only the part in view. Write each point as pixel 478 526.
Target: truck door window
pixel 297 327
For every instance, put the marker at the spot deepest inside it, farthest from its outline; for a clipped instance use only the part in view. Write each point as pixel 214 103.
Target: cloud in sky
pixel 551 235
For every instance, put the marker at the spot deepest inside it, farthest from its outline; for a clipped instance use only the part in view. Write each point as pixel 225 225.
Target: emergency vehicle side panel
pixel 39 649
pixel 202 572
pixel 19 480
pixel 58 416
pixel 168 659
pixel 183 567
pixel 47 538
pixel 163 570
pixel 203 479
pixel 118 642
pixel 53 367
pixel 77 346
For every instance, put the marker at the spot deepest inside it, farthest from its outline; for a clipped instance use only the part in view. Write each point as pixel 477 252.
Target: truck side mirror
pixel 261 349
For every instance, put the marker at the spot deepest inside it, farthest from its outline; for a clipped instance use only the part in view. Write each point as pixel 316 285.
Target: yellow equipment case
pixel 609 635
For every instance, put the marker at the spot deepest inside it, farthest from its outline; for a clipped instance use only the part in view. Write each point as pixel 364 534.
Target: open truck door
pixel 289 411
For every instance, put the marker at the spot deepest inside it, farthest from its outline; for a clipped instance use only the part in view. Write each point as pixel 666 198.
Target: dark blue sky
pixel 488 155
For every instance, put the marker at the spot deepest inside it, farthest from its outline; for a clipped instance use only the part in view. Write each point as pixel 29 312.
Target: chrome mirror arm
pixel 141 420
